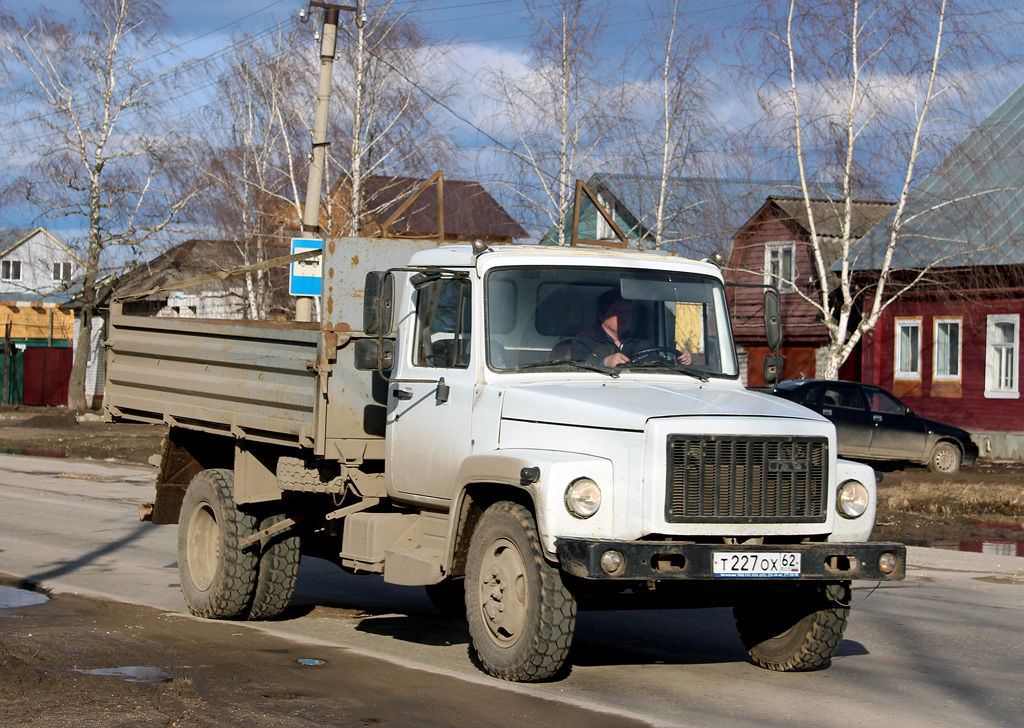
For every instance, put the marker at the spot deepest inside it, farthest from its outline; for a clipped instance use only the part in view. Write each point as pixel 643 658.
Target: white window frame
pixel 784 285
pixel 994 388
pixel 59 270
pixel 959 322
pixel 9 265
pixel 899 324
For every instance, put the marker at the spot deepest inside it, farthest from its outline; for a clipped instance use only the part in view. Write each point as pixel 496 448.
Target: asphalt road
pixel 945 648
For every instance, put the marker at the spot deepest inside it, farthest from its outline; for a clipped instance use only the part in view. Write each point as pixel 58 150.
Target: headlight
pixel 853 499
pixel 583 497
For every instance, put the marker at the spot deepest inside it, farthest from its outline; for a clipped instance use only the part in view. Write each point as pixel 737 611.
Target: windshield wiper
pixel 681 368
pixel 570 362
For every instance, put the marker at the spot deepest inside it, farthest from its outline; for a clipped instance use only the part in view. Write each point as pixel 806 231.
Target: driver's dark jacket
pixel 594 344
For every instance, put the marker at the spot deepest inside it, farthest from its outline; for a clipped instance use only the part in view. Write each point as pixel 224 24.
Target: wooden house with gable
pixel 950 347
pixel 774 247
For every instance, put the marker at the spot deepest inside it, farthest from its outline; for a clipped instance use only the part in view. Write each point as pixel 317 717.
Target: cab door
pixel 430 398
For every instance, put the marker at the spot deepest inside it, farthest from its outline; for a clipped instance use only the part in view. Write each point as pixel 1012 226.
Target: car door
pixel 431 394
pixel 898 434
pixel 843 403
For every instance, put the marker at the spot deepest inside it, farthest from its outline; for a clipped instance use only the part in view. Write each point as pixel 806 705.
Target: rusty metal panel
pixel 251 380
pixel 350 418
pixel 346 263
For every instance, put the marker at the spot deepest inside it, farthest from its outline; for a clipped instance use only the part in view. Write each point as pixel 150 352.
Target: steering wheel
pixel 667 354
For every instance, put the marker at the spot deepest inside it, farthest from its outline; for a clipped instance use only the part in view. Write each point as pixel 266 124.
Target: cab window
pixel 443 324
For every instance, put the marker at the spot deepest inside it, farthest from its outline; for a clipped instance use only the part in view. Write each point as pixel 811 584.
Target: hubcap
pixel 503 591
pixel 945 460
pixel 203 546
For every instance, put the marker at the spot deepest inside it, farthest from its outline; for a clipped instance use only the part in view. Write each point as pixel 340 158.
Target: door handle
pixel 877 418
pixel 826 411
pixel 402 393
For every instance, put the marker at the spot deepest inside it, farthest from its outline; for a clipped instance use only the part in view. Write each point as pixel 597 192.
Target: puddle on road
pixel 995 548
pixel 36 452
pixel 12 597
pixel 133 673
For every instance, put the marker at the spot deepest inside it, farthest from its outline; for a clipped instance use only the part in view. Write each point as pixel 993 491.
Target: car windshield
pixel 576 319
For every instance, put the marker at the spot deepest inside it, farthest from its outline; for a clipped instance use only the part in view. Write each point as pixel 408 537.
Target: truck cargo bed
pixel 246 379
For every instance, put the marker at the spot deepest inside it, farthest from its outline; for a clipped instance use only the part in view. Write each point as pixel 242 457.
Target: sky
pixel 481 33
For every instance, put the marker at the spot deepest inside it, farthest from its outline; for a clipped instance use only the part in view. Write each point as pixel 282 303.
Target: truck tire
pixel 521 616
pixel 217 576
pixel 277 572
pixel 945 458
pixel 796 633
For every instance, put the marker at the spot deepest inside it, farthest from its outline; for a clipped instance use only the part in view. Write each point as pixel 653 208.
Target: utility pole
pixel 317 162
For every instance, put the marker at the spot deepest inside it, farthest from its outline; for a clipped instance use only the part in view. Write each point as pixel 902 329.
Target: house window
pixel 908 349
pixel 779 268
pixel 61 272
pixel 947 348
pixel 604 230
pixel 1002 342
pixel 10 270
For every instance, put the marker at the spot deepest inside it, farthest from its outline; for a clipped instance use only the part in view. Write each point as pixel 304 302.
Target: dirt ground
pixel 984 502
pixel 72 661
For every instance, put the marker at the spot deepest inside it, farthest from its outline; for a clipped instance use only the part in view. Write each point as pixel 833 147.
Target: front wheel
pixel 217 575
pixel 945 459
pixel 797 632
pixel 521 616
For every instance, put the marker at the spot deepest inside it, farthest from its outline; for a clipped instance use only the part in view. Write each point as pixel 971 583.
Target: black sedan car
pixel 871 424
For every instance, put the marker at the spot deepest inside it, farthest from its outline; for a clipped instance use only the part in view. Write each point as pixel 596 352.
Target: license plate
pixel 757 565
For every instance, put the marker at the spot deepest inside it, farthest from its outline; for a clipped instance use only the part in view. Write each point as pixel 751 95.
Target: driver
pixel 609 342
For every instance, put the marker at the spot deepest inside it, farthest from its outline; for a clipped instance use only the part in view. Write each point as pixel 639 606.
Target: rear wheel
pixel 277 572
pixel 945 458
pixel 217 576
pixel 796 632
pixel 521 616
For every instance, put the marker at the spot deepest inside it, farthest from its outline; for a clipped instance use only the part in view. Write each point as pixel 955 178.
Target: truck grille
pixel 746 479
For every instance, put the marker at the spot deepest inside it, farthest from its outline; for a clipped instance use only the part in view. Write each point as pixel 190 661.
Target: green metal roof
pixel 969 210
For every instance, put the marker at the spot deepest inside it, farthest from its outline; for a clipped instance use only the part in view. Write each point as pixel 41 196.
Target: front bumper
pixel 656 560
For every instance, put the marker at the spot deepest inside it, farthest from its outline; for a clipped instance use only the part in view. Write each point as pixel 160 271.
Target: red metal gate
pixel 47 371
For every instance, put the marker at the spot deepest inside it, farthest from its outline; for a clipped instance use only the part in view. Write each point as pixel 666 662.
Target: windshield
pixel 608 319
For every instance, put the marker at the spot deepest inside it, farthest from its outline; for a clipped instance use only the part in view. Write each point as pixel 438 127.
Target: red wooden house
pixel 774 246
pixel 950 347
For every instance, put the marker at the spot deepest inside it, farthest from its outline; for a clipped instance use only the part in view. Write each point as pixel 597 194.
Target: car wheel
pixel 945 458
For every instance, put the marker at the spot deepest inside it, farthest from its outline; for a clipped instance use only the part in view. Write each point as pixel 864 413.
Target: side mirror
pixel 772 369
pixel 378 303
pixel 772 319
pixel 374 355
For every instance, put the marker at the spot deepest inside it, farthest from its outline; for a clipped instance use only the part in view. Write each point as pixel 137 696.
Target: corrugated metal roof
pixel 828 217
pixel 970 209
pixel 706 211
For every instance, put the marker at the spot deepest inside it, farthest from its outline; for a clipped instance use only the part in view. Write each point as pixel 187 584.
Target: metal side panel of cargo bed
pixel 251 380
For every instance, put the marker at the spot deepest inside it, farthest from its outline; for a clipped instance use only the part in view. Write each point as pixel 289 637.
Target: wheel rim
pixel 203 547
pixel 503 588
pixel 945 460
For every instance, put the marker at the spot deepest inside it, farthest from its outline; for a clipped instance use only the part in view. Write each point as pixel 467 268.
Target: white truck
pixel 436 428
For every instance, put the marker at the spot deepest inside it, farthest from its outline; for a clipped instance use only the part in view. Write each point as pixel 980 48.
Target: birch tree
pixel 258 147
pixel 673 141
pixel 559 114
pixel 104 157
pixel 389 84
pixel 867 95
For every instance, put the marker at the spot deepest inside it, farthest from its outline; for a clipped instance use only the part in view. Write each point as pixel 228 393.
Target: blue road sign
pixel 306 276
